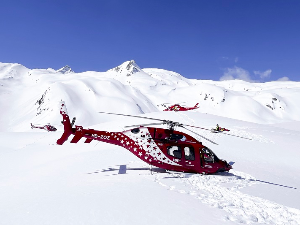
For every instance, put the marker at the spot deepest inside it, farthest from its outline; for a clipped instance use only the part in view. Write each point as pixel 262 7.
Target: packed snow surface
pixel 98 183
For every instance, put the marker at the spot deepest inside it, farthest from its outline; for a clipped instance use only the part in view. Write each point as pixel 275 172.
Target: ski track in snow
pixel 222 191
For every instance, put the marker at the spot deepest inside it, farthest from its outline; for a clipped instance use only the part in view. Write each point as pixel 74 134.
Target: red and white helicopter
pixel 47 127
pixel 164 148
pixel 178 107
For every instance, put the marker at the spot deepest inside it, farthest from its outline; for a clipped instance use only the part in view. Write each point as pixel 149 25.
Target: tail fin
pixel 196 105
pixel 67 125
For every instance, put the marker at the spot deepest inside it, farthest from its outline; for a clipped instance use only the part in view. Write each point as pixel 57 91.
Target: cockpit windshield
pixel 209 156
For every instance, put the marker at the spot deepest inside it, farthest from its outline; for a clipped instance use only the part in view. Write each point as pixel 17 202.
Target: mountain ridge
pixel 131 90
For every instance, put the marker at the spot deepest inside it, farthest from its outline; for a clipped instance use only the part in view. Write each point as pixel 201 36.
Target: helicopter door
pixel 189 156
pixel 184 155
pixel 175 152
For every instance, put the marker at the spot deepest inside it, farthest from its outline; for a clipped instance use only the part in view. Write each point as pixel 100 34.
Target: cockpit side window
pixel 189 153
pixel 174 151
pixel 208 155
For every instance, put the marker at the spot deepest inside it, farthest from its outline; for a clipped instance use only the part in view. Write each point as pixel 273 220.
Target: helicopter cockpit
pixel 209 156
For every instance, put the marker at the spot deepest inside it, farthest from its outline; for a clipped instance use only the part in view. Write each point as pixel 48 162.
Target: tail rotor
pixel 68 130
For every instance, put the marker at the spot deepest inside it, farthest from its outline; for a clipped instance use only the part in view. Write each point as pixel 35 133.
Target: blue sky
pixel 254 40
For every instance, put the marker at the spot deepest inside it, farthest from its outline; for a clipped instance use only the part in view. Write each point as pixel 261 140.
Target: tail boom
pixel 90 134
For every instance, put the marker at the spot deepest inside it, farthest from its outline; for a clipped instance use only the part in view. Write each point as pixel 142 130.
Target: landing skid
pixel 123 169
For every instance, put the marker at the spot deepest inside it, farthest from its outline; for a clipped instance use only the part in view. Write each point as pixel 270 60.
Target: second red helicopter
pixel 178 107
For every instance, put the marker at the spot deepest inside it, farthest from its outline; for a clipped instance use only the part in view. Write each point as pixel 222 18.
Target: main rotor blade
pixel 200 136
pixel 148 124
pixel 168 122
pixel 195 127
pixel 236 136
pixel 218 132
pixel 118 114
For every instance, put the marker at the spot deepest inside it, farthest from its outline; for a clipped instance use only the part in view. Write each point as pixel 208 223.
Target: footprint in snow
pixel 241 208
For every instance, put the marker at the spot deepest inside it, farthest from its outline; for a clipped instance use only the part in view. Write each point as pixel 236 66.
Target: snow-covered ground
pixel 43 183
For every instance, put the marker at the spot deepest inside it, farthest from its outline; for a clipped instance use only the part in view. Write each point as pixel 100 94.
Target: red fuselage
pixel 178 107
pixel 163 148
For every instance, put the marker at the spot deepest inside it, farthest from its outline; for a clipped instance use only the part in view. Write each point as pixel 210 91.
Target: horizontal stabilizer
pixel 78 134
pixel 88 140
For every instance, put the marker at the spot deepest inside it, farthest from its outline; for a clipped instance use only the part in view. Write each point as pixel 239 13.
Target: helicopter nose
pixel 224 166
pixel 228 166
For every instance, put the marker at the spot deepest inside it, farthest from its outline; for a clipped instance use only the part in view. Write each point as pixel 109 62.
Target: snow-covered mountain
pixel 43 183
pixel 127 68
pixel 129 89
pixel 65 70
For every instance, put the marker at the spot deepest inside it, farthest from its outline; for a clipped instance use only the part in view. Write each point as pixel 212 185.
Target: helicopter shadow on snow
pixel 280 185
pixel 257 180
pixel 187 175
pixel 227 174
pixel 123 169
pixel 254 180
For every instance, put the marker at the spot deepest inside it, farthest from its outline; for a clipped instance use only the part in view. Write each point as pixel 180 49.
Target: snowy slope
pixel 134 91
pixel 43 183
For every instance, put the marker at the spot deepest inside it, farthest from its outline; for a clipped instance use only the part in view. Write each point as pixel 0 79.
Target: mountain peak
pixel 66 69
pixel 127 68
